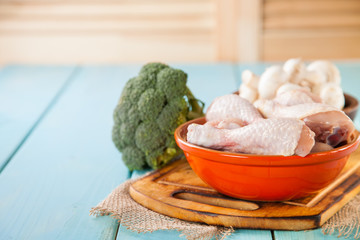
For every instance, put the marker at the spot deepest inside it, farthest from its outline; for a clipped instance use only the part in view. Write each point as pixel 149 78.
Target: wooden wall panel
pixel 94 31
pixel 116 31
pixel 311 45
pixel 311 29
pixel 104 49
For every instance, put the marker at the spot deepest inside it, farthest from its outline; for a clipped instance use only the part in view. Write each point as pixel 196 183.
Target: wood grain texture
pixel 311 45
pixel 173 234
pixel 311 29
pixel 67 165
pixel 25 95
pixel 176 191
pixel 105 48
pixel 308 235
pixel 249 31
pixel 334 20
pixel 124 233
pixel 226 36
pixel 275 7
pixel 311 14
pixel 108 31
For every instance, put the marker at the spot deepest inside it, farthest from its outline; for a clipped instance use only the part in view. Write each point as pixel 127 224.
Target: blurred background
pixel 117 31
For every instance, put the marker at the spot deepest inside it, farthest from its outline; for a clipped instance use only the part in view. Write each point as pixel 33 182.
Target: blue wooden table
pixel 57 159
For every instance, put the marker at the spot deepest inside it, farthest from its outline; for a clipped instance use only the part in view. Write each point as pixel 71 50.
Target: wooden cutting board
pixel 178 192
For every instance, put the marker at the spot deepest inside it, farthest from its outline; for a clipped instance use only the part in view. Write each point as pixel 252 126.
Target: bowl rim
pixel 260 160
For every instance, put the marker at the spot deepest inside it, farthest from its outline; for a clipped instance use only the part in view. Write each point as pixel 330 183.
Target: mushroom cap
pixel 329 71
pixel 250 79
pixel 270 81
pixel 295 68
pixel 248 93
pixel 332 94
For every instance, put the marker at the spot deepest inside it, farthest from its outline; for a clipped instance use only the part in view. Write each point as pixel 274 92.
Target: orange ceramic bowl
pixel 264 177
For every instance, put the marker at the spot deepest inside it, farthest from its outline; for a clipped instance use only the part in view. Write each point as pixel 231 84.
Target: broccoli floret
pixel 152 105
pixel 152 69
pixel 172 82
pixel 116 137
pixel 148 137
pixel 173 115
pixel 133 158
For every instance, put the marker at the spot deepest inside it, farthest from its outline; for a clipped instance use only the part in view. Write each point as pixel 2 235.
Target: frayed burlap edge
pixel 133 216
pixel 345 222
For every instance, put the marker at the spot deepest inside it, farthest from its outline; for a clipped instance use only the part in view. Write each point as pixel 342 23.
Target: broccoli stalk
pixel 151 106
pixel 196 109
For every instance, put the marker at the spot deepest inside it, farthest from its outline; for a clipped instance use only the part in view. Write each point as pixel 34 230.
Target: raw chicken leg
pixel 228 123
pixel 232 106
pixel 278 136
pixel 331 126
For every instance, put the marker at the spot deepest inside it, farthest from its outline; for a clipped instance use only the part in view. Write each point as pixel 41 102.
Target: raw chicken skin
pixel 278 136
pixel 272 109
pixel 330 125
pixel 229 123
pixel 296 96
pixel 232 106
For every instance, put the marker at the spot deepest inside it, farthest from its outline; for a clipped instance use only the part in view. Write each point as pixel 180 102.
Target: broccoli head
pixel 151 106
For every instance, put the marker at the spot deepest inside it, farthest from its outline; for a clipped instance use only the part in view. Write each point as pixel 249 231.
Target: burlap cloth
pixel 135 217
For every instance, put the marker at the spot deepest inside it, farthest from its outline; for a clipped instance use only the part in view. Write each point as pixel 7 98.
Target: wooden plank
pixel 94 32
pixel 311 29
pixel 280 46
pixel 122 16
pixel 106 48
pixel 125 25
pixel 173 234
pixel 26 94
pixel 68 164
pixel 249 31
pixel 272 8
pixel 35 2
pixel 60 10
pixel 308 235
pixel 226 34
pixel 291 21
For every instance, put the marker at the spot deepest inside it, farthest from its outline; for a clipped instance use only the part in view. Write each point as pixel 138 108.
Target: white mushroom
pixel 295 68
pixel 287 87
pixel 248 93
pixel 329 71
pixel 313 80
pixel 270 81
pixel 249 85
pixel 332 94
pixel 250 79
